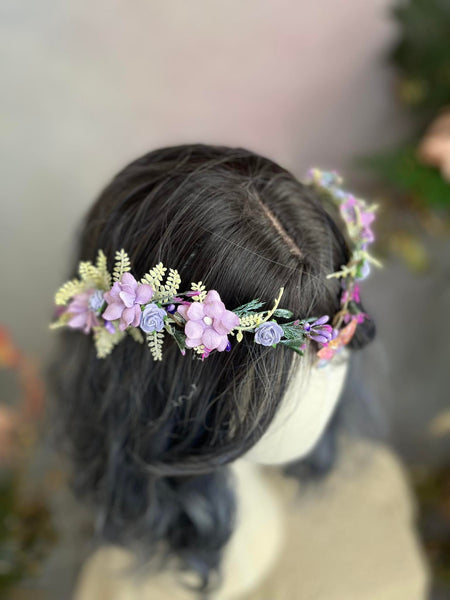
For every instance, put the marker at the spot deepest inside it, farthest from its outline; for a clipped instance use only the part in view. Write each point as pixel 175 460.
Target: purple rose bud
pixel 152 318
pixel 171 308
pixel 317 337
pixel 307 327
pixel 321 321
pixel 110 327
pixel 228 348
pixel 268 333
pixel 96 301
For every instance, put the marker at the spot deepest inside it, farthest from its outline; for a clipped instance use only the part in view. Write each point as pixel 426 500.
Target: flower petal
pixel 192 342
pixel 182 310
pixel 214 309
pixel 319 338
pixel 212 296
pixel 144 293
pixel 137 315
pixel 211 339
pixel 229 319
pixel 128 279
pixel 220 327
pixel 113 311
pixel 127 318
pixel 223 343
pixel 127 298
pixel 193 329
pixel 113 294
pixel 195 311
pixel 78 321
pixel 321 321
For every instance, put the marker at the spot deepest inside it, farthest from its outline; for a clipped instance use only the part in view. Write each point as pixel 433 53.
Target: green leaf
pixel 283 313
pixel 294 344
pixel 180 339
pixel 292 332
pixel 249 307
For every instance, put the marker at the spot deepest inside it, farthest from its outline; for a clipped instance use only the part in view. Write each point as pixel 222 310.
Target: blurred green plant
pixel 432 487
pixel 413 179
pixel 402 169
pixel 26 533
pixel 421 55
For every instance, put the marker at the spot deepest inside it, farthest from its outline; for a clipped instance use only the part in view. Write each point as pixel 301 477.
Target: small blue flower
pixel 268 334
pixel 96 301
pixel 363 271
pixel 152 318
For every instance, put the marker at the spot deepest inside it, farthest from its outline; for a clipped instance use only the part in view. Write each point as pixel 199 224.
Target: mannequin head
pixel 303 414
pixel 149 442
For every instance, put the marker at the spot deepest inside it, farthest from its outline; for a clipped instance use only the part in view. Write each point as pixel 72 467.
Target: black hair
pixel 149 442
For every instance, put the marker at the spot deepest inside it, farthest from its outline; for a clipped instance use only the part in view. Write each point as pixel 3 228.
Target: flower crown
pixel 115 305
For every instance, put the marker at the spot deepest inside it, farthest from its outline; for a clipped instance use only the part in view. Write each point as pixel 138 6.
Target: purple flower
pixel 319 331
pixel 268 333
pixel 354 295
pixel 83 317
pixel 152 318
pixel 125 299
pixel 208 323
pixel 354 211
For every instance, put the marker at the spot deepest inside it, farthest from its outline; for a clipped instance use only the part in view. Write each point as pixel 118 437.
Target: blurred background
pixel 361 87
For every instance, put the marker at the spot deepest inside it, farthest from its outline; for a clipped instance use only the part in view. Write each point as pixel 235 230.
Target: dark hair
pixel 149 442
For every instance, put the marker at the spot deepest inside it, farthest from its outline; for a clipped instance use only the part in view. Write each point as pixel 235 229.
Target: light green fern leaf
pixel 105 341
pixel 201 289
pixel 104 277
pixel 173 283
pixel 61 322
pixel 199 349
pixel 122 265
pixel 136 334
pixel 155 342
pixel 68 290
pixel 155 277
pixel 251 320
pixel 88 273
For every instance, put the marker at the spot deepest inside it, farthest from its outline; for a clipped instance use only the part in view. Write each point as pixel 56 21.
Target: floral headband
pixel 115 305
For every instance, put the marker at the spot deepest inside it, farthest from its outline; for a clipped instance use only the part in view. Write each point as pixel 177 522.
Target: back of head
pixel 150 441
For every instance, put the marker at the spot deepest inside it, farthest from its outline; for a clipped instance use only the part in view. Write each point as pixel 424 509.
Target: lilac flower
pixel 319 331
pixel 208 323
pixel 354 295
pixel 268 333
pixel 83 316
pixel 367 218
pixel 152 318
pixel 125 299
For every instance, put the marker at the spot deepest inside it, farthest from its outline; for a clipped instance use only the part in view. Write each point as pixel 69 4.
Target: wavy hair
pixel 149 443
